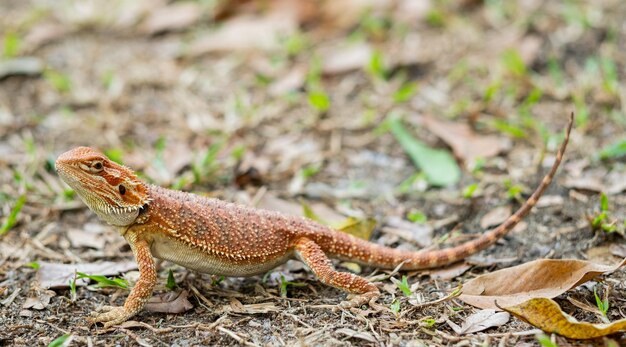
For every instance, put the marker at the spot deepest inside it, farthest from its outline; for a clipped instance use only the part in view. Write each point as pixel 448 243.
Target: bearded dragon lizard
pixel 217 237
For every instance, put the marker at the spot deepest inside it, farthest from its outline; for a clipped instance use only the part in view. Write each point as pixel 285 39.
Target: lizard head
pixel 111 190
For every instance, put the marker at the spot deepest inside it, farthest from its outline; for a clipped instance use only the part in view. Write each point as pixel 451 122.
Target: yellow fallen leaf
pixel 543 278
pixel 546 315
pixel 361 228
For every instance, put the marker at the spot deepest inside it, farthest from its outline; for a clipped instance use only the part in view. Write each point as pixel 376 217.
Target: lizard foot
pixel 358 300
pixel 111 315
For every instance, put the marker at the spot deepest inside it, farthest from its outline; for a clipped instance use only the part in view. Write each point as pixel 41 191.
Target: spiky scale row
pixel 213 236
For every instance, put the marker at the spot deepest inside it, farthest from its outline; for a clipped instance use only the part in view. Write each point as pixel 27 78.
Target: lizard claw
pixel 111 316
pixel 359 300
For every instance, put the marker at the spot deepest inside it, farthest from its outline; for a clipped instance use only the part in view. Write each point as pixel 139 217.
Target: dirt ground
pixel 286 103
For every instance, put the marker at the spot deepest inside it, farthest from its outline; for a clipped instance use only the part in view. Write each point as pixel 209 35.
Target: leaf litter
pixel 539 278
pixel 546 314
pixel 205 95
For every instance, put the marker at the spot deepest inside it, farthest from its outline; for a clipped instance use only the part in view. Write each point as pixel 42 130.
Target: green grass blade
pixel 438 165
pixel 12 217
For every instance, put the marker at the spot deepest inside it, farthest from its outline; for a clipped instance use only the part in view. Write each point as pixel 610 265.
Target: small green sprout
pixel 603 304
pixel 513 62
pixel 295 44
pixel 61 341
pixel 404 93
pixel 613 151
pixel 238 152
pixel 513 191
pixel 416 217
pixel 376 66
pixel 171 282
pixel 544 340
pixel 429 322
pixel 218 280
pixel 59 81
pixel 11 45
pixel 103 281
pixel 436 18
pixel 508 128
pixel 404 286
pixel 284 284
pixel 604 202
pixel 603 220
pixel 395 306
pixel 72 283
pixel 469 191
pixel 11 219
pixel 68 194
pixel 319 100
pixel 34 265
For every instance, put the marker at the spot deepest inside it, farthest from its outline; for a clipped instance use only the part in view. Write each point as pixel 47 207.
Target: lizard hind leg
pixel 312 255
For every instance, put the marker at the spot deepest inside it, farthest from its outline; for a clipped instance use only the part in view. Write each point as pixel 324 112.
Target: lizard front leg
pixel 141 292
pixel 313 256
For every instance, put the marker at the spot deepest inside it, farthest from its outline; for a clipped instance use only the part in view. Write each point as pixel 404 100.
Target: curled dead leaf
pixel 170 302
pixel 546 315
pixel 173 17
pixel 53 275
pixel 481 320
pixel 40 301
pixel 540 278
pixel 363 335
pixel 246 33
pixel 450 272
pixel 465 143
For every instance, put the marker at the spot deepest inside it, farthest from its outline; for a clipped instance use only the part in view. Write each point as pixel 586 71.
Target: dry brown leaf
pixel 465 143
pixel 271 202
pixel 246 33
pixel 44 33
pixel 593 184
pixel 618 250
pixel 292 81
pixel 345 14
pixel 170 302
pixel 9 299
pixel 39 302
pixel 411 10
pixel 589 308
pixel 237 307
pixel 420 234
pixel 363 335
pixel 495 217
pixel 450 272
pixel 481 320
pixel 81 238
pixel 173 17
pixel 549 201
pixel 486 261
pixel 27 66
pixel 601 255
pixel 53 275
pixel 345 59
pixel 598 181
pixel 546 315
pixel 539 278
pixel 615 182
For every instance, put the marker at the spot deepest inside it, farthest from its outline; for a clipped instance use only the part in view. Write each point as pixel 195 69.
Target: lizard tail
pixel 348 247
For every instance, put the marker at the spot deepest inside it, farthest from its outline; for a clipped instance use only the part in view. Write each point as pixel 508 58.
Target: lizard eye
pixel 97 166
pixel 122 189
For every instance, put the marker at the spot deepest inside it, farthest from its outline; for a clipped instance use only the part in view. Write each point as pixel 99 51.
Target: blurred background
pixel 426 112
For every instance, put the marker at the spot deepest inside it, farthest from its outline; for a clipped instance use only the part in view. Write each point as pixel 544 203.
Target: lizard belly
pixel 193 258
